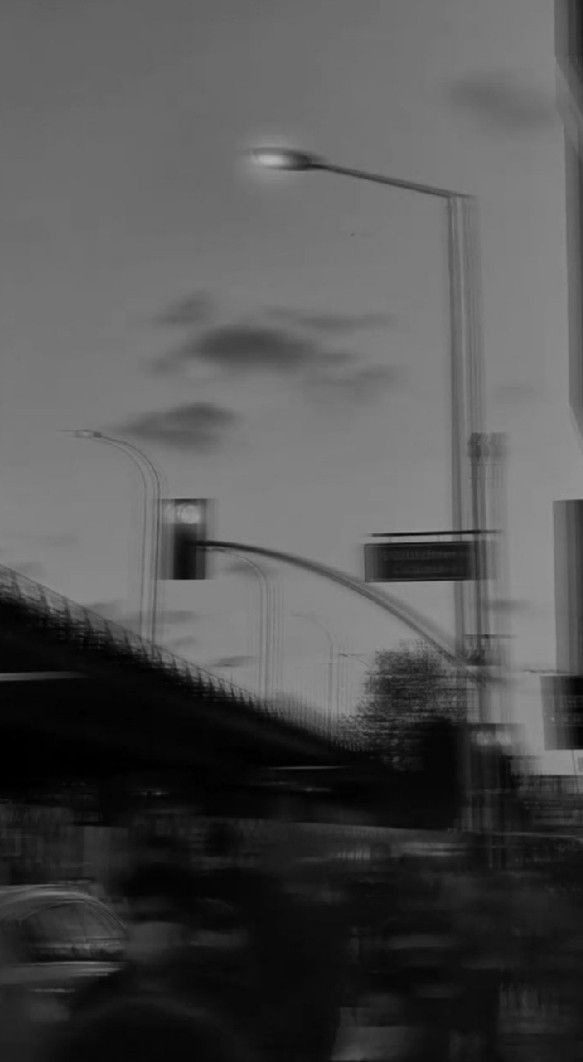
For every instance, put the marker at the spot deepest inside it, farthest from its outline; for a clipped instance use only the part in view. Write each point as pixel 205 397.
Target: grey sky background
pixel 277 342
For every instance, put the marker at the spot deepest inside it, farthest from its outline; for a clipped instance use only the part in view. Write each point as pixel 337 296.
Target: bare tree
pixel 410 693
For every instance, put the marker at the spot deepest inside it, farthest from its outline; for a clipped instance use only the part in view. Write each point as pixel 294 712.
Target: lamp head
pixel 84 433
pixel 274 158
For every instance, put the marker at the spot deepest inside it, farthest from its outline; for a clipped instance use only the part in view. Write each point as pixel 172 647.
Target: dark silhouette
pixel 157 1030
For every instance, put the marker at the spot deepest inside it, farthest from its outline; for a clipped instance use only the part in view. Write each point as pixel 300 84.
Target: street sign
pixel 400 562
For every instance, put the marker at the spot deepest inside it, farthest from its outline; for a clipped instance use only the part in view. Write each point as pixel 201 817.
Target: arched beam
pixel 439 640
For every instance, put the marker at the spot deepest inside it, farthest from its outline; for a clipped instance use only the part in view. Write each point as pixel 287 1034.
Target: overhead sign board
pixel 400 562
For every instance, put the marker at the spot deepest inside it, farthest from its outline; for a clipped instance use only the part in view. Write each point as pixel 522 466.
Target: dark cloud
pixel 231 661
pixel 245 348
pixel 195 309
pixel 195 426
pixel 353 387
pixel 498 101
pixel 323 374
pixel 336 322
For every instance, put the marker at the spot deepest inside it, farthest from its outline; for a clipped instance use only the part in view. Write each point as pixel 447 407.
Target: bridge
pixel 82 696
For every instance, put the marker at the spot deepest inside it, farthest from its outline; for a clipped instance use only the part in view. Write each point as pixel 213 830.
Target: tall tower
pixel 569 56
pixel 569 514
pixel 568 518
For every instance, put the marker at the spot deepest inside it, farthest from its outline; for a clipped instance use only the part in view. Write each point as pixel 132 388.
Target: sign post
pixel 460 559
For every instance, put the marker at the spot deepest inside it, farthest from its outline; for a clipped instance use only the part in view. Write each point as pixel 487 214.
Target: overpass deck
pixel 98 690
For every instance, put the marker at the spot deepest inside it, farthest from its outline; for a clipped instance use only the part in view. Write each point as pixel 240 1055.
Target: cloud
pixel 231 661
pixel 322 374
pixel 354 387
pixel 245 348
pixel 499 101
pixel 195 309
pixel 336 322
pixel 195 426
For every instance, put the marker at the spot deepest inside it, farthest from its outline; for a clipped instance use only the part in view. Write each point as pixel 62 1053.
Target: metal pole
pixel 276 631
pixel 156 516
pixel 334 652
pixel 426 629
pixel 478 441
pixel 501 573
pixel 128 450
pixel 140 458
pixel 263 581
pixel 461 278
pixel 458 427
pixel 465 336
pixel 392 182
pixel 142 617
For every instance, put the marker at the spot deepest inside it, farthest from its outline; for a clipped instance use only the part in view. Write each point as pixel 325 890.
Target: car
pixel 64 939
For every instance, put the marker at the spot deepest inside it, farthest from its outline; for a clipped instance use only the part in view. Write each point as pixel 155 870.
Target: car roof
pixel 32 895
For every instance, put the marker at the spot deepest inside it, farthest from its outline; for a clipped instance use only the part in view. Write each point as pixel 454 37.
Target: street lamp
pixel 284 159
pixel 151 478
pixel 334 652
pixel 466 361
pixel 465 338
pixel 263 578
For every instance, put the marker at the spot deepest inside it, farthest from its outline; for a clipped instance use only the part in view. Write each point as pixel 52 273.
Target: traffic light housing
pixel 185 527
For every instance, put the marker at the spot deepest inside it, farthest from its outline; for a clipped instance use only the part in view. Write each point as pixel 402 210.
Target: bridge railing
pixel 51 610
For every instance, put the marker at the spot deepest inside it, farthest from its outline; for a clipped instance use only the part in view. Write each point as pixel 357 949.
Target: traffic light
pixel 185 526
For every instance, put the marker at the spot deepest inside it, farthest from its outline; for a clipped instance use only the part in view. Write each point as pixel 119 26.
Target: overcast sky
pixel 276 342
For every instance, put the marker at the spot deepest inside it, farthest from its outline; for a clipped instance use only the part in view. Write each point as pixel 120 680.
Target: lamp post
pixel 466 353
pixel 263 577
pixel 466 362
pixel 333 654
pixel 148 472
